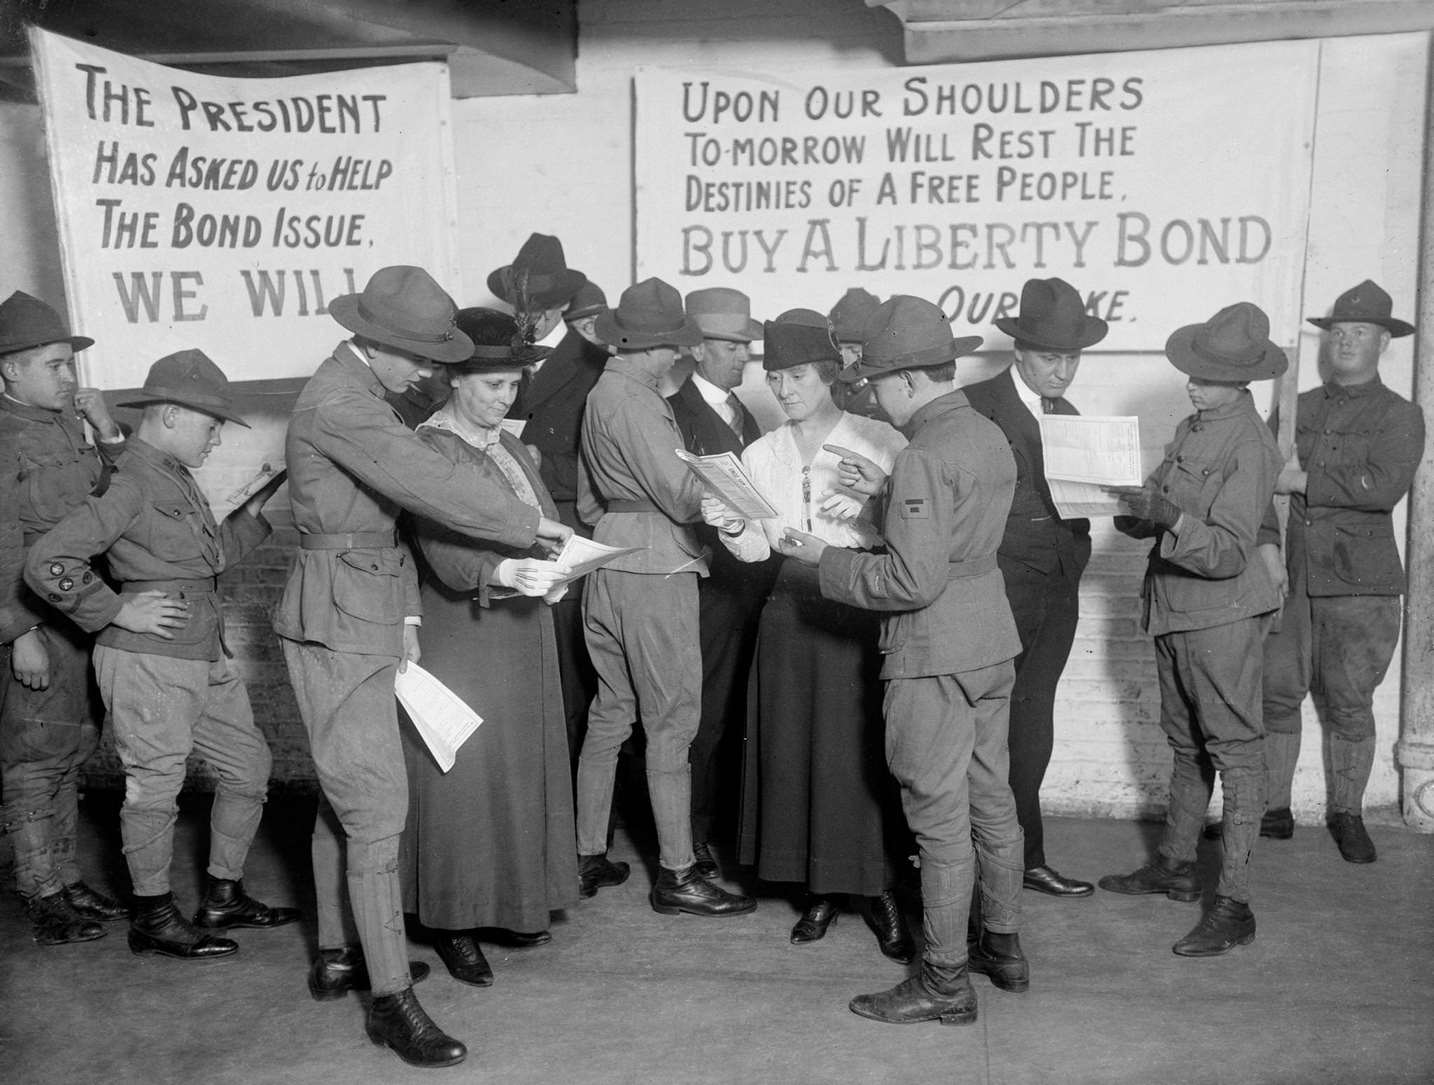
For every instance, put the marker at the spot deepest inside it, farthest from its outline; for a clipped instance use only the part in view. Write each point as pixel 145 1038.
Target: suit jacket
pixel 1035 536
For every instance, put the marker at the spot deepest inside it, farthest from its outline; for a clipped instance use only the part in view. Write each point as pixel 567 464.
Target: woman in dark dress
pixel 489 844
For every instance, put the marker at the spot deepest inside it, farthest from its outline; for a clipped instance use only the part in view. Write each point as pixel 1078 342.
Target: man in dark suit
pixel 1042 556
pixel 713 420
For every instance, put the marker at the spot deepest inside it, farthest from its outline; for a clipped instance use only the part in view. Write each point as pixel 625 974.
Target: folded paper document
pixel 1083 454
pixel 441 717
pixel 724 476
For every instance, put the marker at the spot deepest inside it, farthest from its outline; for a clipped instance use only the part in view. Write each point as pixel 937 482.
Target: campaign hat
pixel 588 301
pixel 798 337
pixel 1052 317
pixel 402 307
pixel 189 379
pixel 907 333
pixel 1367 303
pixel 723 313
pixel 649 314
pixel 26 322
pixel 538 277
pixel 850 314
pixel 497 343
pixel 1232 346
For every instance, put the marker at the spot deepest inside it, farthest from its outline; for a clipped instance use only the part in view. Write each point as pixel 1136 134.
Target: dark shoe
pixel 158 927
pixel 1213 830
pixel 55 923
pixel 399 1023
pixel 679 891
pixel 704 862
pixel 88 904
pixel 911 1001
pixel 465 961
pixel 1228 923
pixel 339 971
pixel 1177 881
pixel 1278 824
pixel 595 872
pixel 999 956
pixel 1353 840
pixel 821 913
pixel 889 925
pixel 226 904
pixel 501 936
pixel 1045 880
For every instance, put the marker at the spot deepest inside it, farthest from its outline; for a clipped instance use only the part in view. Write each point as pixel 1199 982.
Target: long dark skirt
pixel 818 805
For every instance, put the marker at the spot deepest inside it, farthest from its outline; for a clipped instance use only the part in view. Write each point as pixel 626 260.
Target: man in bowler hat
pixel 48 718
pixel 1042 555
pixel 163 668
pixel 349 620
pixel 1357 445
pixel 948 640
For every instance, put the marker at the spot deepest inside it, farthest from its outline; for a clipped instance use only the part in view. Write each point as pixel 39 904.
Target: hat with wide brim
pixel 798 337
pixel 497 344
pixel 538 277
pixel 907 333
pixel 1367 303
pixel 723 313
pixel 26 322
pixel 649 314
pixel 1233 346
pixel 191 380
pixel 1052 317
pixel 402 307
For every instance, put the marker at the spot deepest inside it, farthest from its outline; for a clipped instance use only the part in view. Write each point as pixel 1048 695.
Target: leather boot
pixel 336 972
pixel 158 927
pixel 999 956
pixel 226 904
pixel 1277 824
pixel 89 904
pixel 399 1023
pixel 679 891
pixel 1228 923
pixel 952 1002
pixel 705 861
pixel 1352 837
pixel 54 923
pixel 889 925
pixel 460 952
pixel 595 872
pixel 1176 880
pixel 820 914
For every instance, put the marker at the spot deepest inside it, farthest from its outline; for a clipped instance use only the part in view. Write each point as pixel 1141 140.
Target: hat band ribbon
pixel 183 396
pixel 394 328
pixel 496 353
pixel 913 358
pixel 722 323
pixel 1210 354
pixel 647 329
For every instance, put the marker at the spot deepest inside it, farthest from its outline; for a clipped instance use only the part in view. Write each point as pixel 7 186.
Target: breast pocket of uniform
pixel 170 531
pixel 366 585
pixel 53 484
pixel 1193 485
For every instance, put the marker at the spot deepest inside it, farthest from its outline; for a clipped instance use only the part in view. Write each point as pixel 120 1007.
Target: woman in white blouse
pixel 818 806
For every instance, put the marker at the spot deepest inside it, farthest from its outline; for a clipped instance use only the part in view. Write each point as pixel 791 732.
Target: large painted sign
pixel 1163 185
pixel 225 214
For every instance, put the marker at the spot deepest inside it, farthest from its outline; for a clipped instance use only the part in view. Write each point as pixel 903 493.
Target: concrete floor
pixel 1337 988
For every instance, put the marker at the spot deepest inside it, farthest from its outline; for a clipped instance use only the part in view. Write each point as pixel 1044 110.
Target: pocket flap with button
pixel 366 584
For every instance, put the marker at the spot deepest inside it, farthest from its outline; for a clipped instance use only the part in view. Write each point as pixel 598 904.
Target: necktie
pixel 734 406
pixel 1048 405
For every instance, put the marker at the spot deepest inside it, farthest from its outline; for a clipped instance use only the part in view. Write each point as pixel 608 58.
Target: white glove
pixel 527 576
pixel 556 594
pixel 840 506
pixel 716 513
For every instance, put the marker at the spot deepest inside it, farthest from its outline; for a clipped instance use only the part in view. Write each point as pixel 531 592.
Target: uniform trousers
pixel 1210 713
pixel 46 736
pixel 162 709
pixel 1339 647
pixel 642 636
pixel 348 707
pixel 946 747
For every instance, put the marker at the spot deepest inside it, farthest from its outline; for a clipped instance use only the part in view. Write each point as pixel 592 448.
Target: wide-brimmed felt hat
pixel 850 314
pixel 1232 346
pixel 497 342
pixel 907 333
pixel 1367 303
pixel 723 313
pixel 798 337
pixel 588 301
pixel 649 314
pixel 402 307
pixel 27 322
pixel 1052 317
pixel 189 379
pixel 538 277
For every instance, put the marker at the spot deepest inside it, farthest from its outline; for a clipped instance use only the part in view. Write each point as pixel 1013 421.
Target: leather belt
pixel 354 540
pixel 204 585
pixel 957 570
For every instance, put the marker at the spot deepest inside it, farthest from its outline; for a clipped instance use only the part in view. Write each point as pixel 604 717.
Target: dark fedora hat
pixel 497 343
pixel 649 314
pixel 190 379
pixel 27 322
pixel 588 301
pixel 538 277
pixel 907 333
pixel 402 307
pixel 1366 303
pixel 1052 317
pixel 798 337
pixel 850 314
pixel 1232 346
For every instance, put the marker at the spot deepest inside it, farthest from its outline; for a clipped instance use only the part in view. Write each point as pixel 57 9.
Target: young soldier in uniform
pixel 163 669
pixel 1207 601
pixel 48 717
pixel 948 639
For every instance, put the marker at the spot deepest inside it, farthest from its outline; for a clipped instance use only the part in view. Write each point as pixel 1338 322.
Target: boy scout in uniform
pixel 160 658
pixel 48 712
pixel 1207 600
pixel 948 642
pixel 349 617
